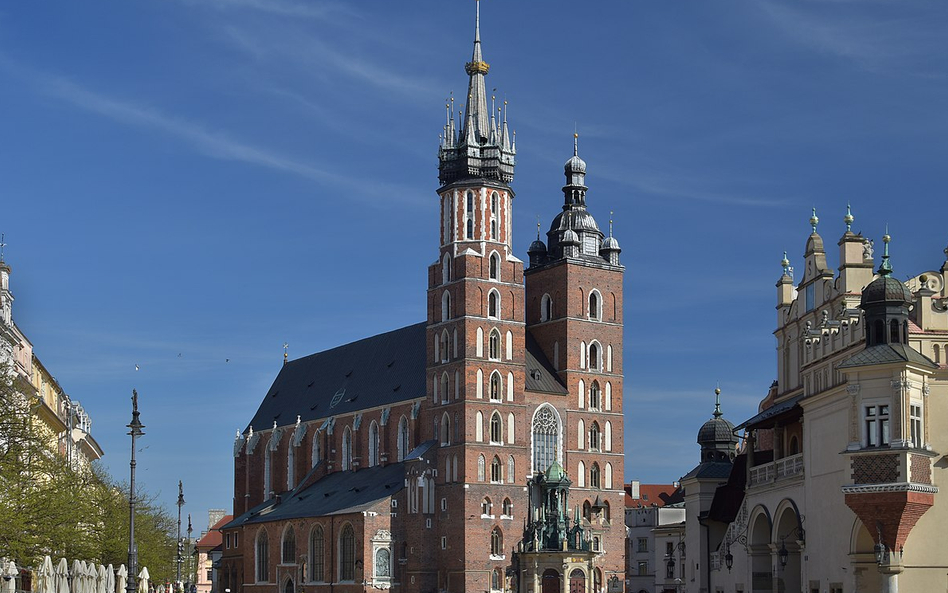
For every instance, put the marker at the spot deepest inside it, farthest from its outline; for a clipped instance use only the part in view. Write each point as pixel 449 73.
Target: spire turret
pixel 482 149
pixel 885 269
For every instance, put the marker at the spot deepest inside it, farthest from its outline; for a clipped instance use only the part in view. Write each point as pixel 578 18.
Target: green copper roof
pixel 555 472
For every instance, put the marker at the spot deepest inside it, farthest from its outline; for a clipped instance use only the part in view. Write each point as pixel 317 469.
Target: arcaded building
pixel 402 461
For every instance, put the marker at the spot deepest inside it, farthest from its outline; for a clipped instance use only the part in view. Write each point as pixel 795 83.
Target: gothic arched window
pixel 493 304
pixel 495 214
pixel 470 215
pixel 373 444
pixel 445 430
pixel 594 439
pixel 496 388
pixel 347 449
pixel 347 554
pixel 402 438
pixel 594 357
pixel 496 471
pixel 289 547
pixel 493 350
pixel 494 266
pixel 317 555
pixel 481 468
pixel 446 306
pixel 594 393
pixel 595 305
pixel 546 431
pixel 594 481
pixel 496 429
pixel 546 308
pixel 496 542
pixel 262 557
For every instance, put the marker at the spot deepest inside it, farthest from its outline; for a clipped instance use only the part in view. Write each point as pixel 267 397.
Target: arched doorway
pixel 288 586
pixel 550 582
pixel 577 581
pixel 787 540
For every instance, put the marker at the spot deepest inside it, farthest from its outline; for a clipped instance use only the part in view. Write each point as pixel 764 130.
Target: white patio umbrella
pixel 92 578
pixel 143 580
pixel 121 578
pixel 62 577
pixel 100 579
pixel 78 574
pixel 44 577
pixel 9 577
pixel 109 579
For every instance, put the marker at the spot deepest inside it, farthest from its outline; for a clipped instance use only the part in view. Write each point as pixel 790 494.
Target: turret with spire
pixel 855 258
pixel 480 149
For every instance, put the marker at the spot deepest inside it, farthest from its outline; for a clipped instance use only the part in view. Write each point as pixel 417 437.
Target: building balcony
pixel 776 471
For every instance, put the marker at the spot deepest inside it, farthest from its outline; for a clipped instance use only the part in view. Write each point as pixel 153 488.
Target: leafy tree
pixel 51 507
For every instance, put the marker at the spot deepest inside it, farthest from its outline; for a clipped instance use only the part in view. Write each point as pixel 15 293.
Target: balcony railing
pixel 786 467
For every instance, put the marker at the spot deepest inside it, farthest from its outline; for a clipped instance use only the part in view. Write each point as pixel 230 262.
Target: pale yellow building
pixel 836 487
pixel 62 419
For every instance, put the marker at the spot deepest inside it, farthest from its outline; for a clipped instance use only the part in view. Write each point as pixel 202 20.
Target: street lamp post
pixel 191 578
pixel 178 563
pixel 135 430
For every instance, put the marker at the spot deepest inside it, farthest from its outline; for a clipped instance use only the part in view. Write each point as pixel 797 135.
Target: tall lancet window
pixel 494 214
pixel 546 430
pixel 470 215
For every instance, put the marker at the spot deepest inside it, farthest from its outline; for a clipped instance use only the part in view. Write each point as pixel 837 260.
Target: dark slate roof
pixel 887 353
pixel 716 430
pixel 772 412
pixel 728 498
pixel 335 494
pixel 710 470
pixel 541 376
pixel 372 372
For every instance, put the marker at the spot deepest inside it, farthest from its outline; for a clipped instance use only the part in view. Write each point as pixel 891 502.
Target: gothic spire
pixel 477 68
pixel 482 148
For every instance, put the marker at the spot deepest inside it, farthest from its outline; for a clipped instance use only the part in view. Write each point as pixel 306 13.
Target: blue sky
pixel 189 182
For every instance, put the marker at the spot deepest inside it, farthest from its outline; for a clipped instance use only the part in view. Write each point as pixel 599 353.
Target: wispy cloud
pixel 871 39
pixel 211 143
pixel 288 8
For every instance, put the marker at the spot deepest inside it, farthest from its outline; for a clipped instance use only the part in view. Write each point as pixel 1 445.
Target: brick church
pixel 479 450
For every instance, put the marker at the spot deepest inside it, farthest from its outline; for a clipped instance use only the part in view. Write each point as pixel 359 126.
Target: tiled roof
pixel 660 494
pixel 541 376
pixel 887 353
pixel 335 494
pixel 213 537
pixel 376 371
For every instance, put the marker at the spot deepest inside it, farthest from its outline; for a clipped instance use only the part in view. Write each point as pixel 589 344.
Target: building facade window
pixel 493 345
pixel 494 265
pixel 594 476
pixel 595 394
pixel 496 429
pixel 496 387
pixel 373 444
pixel 262 557
pixel 289 547
pixel 642 544
pixel 915 422
pixel 546 431
pixel 317 556
pixel 594 439
pixel 546 308
pixel 494 214
pixel 347 554
pixel 470 215
pixel 877 426
pixel 481 468
pixel 347 449
pixel 507 508
pixel 496 542
pixel 595 305
pixel 643 568
pixel 496 471
pixel 486 506
pixel 402 438
pixel 493 304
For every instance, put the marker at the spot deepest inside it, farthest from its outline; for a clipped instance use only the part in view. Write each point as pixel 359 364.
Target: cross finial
pixel 611 212
pixel 886 268
pixel 848 219
pixel 286 352
pixel 538 230
pixel 2 245
pixel 717 402
pixel 575 141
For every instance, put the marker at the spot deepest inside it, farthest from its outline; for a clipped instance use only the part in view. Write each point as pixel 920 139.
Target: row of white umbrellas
pixel 86 578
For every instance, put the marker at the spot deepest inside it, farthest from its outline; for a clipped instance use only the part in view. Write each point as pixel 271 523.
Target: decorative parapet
pixel 897 487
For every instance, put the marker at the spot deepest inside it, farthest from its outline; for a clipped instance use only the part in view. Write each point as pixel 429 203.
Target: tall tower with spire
pixel 476 359
pixel 574 314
